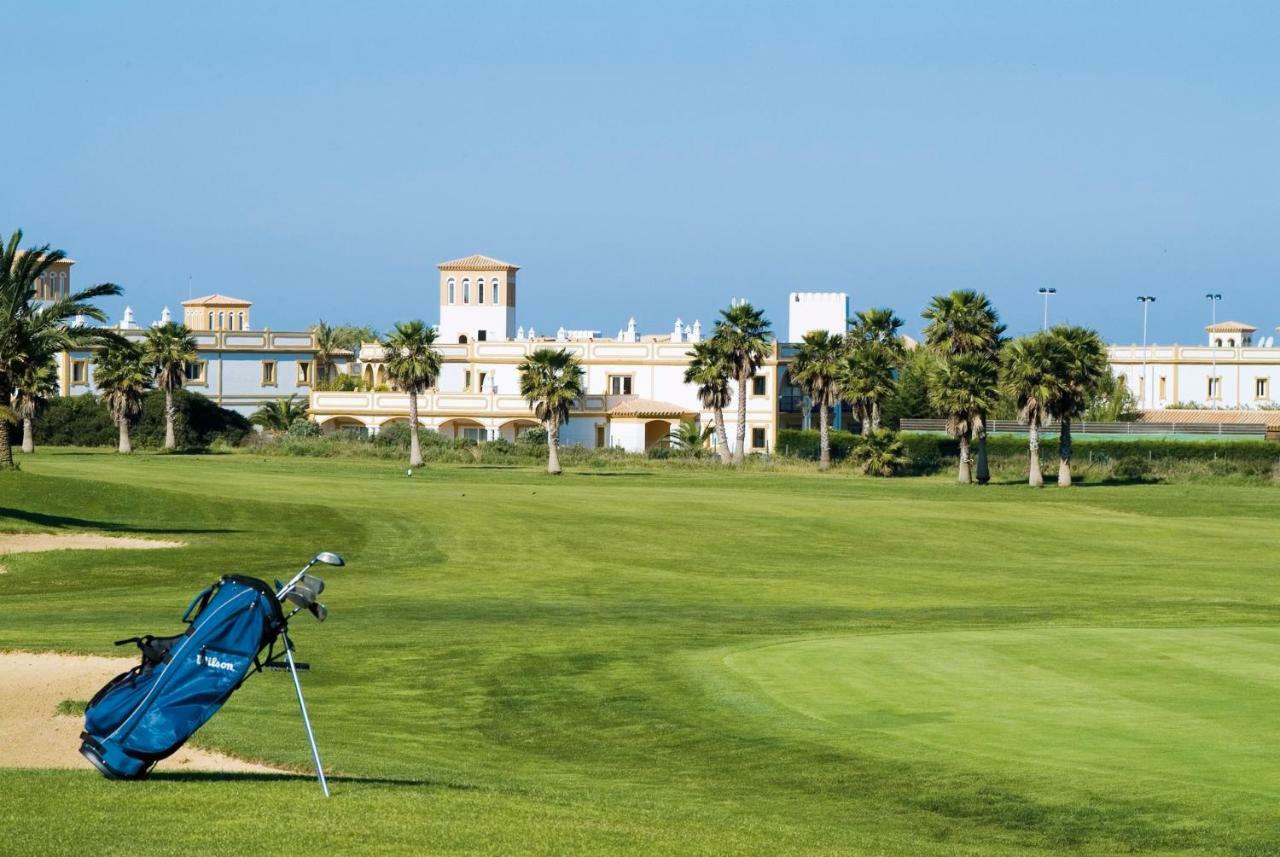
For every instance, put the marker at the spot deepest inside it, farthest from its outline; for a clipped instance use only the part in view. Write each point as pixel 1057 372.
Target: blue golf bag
pixel 144 715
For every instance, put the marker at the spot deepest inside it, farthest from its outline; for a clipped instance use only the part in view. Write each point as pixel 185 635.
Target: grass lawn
pixel 680 661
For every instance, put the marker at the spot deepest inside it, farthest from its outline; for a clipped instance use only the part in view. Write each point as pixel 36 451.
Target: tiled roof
pixel 647 408
pixel 1230 327
pixel 215 300
pixel 1209 416
pixel 477 263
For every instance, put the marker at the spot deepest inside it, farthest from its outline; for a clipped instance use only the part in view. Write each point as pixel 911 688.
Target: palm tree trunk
pixel 864 418
pixel 170 414
pixel 1064 454
pixel 126 444
pixel 722 438
pixel 553 447
pixel 6 445
pixel 415 448
pixel 875 415
pixel 824 439
pixel 984 470
pixel 740 454
pixel 28 435
pixel 964 478
pixel 1036 478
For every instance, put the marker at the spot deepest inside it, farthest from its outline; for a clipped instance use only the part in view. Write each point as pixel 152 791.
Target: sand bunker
pixel 33 735
pixel 34 542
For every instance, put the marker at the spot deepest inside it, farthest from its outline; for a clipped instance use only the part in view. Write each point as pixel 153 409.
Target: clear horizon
pixel 658 161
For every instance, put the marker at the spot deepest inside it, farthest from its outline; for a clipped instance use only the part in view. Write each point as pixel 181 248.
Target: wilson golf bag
pixel 147 713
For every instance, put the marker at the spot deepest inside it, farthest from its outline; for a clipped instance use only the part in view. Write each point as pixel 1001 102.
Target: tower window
pixel 481 335
pixel 495 298
pixel 242 321
pixel 466 290
pixel 211 321
pixel 1262 388
pixel 759 385
pixel 1215 388
pixel 480 291
pixel 453 291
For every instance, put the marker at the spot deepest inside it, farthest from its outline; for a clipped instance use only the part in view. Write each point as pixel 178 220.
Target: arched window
pixel 242 320
pixel 1231 342
pixel 496 293
pixel 221 321
pixel 466 290
pixel 1218 342
pixel 479 290
pixel 453 291
pixel 462 340
pixel 211 320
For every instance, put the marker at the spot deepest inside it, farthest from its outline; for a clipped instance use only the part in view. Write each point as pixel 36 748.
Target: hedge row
pixel 932 451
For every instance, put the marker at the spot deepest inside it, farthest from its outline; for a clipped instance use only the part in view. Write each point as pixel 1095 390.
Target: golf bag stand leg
pixel 306 721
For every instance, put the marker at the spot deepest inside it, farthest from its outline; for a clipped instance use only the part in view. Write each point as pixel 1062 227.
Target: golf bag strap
pixel 202 599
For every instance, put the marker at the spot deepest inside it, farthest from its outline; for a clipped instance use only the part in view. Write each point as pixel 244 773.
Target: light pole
pixel 1046 292
pixel 1213 302
pixel 1146 301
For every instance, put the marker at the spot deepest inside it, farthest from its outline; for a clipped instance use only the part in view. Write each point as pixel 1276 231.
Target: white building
pixel 1232 370
pixel 636 393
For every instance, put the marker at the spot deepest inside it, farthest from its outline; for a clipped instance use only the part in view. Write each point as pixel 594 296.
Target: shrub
pixel 303 427
pixel 535 436
pixel 394 435
pixel 74 421
pixel 198 423
pixel 880 453
pixel 1132 468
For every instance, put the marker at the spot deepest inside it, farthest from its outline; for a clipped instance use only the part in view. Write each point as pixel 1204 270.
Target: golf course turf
pixel 652 659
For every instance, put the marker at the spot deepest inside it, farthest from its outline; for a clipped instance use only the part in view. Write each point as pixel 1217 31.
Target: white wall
pixel 808 311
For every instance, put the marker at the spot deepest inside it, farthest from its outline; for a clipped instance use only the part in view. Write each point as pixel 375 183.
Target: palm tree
pixel 169 348
pixel 875 353
pixel 880 453
pixel 327 344
pixel 817 368
pixel 413 364
pixel 551 381
pixel 1030 368
pixel 742 336
pixel 278 415
pixel 31 333
pixel 965 322
pixel 123 377
pixel 867 379
pixel 962 387
pixel 690 436
pixel 37 384
pixel 709 368
pixel 1082 371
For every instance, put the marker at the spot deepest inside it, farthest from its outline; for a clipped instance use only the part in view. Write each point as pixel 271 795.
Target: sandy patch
pixel 32 735
pixel 35 542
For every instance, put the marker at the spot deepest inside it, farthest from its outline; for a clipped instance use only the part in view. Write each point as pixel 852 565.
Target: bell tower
pixel 477 299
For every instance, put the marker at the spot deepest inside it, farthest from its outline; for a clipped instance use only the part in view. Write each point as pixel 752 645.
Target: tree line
pixel 969 366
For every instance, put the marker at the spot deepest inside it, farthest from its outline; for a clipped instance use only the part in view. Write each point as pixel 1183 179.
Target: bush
pixel 880 453
pixel 534 436
pixel 1132 468
pixel 198 423
pixel 395 435
pixel 303 427
pixel 74 421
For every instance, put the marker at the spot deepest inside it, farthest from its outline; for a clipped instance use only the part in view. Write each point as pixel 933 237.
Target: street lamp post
pixel 1146 301
pixel 1046 292
pixel 1213 349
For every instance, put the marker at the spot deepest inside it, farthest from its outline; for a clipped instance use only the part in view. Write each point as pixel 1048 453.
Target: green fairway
pixel 660 660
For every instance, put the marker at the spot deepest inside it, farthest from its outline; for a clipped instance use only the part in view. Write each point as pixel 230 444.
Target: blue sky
pixel 656 159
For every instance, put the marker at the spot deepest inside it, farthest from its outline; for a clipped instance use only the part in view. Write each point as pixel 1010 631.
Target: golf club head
pixel 329 558
pixel 319 611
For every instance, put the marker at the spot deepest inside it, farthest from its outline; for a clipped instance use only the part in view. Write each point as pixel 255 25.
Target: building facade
pixel 636 393
pixel 1233 370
